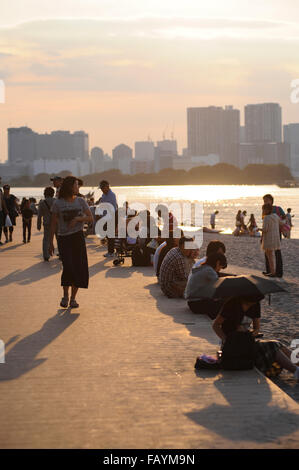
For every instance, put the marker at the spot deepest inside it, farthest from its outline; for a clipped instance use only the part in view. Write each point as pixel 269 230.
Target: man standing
pixel 57 182
pixel 213 219
pixel 108 197
pixel 268 199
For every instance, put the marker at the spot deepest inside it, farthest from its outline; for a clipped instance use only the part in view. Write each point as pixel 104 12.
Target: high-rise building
pixel 144 151
pixel 97 160
pixel 25 145
pixel 214 130
pixel 122 158
pixel 263 122
pixel 264 153
pixel 165 152
pixel 291 136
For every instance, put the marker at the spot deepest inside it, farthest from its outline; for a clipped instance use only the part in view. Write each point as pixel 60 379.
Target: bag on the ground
pixel 207 363
pixel 141 257
pixel 238 352
pixel 8 221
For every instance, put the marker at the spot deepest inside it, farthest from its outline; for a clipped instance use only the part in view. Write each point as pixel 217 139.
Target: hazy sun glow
pixel 124 70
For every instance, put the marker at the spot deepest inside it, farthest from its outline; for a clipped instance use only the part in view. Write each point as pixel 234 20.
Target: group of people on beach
pixel 64 212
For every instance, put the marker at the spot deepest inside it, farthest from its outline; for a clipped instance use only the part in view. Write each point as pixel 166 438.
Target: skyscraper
pixel 291 136
pixel 214 130
pixel 122 158
pixel 263 122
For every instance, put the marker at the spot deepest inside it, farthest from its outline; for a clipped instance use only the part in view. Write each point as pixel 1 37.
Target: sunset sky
pixel 125 70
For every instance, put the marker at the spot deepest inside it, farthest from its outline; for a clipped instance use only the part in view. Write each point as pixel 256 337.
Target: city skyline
pixel 131 69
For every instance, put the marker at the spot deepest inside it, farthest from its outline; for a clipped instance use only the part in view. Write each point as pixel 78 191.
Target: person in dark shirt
pixel 236 315
pixel 27 215
pixel 12 210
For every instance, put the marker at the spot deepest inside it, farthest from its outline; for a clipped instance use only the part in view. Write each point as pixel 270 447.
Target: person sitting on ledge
pixel 207 273
pixel 215 246
pixel 237 314
pixel 175 268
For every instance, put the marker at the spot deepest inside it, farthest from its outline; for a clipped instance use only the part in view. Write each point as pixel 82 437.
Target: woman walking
pixel 270 236
pixel 70 213
pixel 12 209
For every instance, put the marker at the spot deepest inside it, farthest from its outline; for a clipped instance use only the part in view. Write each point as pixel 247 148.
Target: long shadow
pixel 176 308
pixel 127 271
pixel 260 422
pixel 34 273
pixel 9 247
pixel 21 358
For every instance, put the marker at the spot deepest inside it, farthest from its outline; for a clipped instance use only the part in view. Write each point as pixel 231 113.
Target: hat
pixel 55 178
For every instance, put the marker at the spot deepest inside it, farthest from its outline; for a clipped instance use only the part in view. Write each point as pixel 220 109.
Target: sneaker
pixel 109 255
pixel 265 273
pixel 46 259
pixel 64 302
pixel 73 303
pixel 24 241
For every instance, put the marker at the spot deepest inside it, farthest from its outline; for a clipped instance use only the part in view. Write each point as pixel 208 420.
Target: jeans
pixel 46 241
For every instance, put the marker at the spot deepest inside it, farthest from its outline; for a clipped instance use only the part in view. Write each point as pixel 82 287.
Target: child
pixel 27 215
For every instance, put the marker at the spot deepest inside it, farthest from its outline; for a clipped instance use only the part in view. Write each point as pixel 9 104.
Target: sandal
pixel 64 302
pixel 73 303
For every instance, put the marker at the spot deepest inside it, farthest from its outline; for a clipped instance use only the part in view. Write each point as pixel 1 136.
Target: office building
pixel 214 130
pixel 263 122
pixel 291 136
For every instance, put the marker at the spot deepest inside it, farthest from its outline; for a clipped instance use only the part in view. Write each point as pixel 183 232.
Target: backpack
pixel 238 352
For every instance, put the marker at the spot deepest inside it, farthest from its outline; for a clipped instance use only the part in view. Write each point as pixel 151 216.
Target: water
pixel 226 199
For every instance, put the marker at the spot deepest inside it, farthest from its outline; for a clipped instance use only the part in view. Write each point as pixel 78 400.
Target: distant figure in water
pixel 213 219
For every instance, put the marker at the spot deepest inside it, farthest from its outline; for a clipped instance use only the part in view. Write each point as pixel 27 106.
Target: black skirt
pixel 73 254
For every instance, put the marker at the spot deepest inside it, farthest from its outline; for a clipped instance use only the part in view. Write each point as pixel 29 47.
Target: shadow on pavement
pixel 21 358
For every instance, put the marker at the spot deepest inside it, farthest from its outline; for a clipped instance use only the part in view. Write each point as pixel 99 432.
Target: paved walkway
pixel 119 371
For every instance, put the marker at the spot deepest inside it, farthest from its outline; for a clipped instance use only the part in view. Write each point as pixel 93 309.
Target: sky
pixel 126 70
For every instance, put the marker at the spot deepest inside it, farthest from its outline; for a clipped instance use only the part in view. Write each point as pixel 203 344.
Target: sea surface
pixel 226 199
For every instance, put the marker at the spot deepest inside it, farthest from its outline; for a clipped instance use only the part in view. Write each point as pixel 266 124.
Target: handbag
pixel 8 221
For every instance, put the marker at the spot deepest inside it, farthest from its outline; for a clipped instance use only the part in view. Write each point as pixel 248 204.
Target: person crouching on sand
pixel 70 212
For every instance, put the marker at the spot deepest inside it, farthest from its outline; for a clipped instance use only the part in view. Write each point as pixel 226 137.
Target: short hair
pixel 289 209
pixel 104 183
pixel 213 259
pixel 49 191
pixel 214 246
pixel 80 182
pixel 269 196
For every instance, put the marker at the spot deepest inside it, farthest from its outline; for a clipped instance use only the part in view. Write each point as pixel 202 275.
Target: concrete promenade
pixel 118 372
